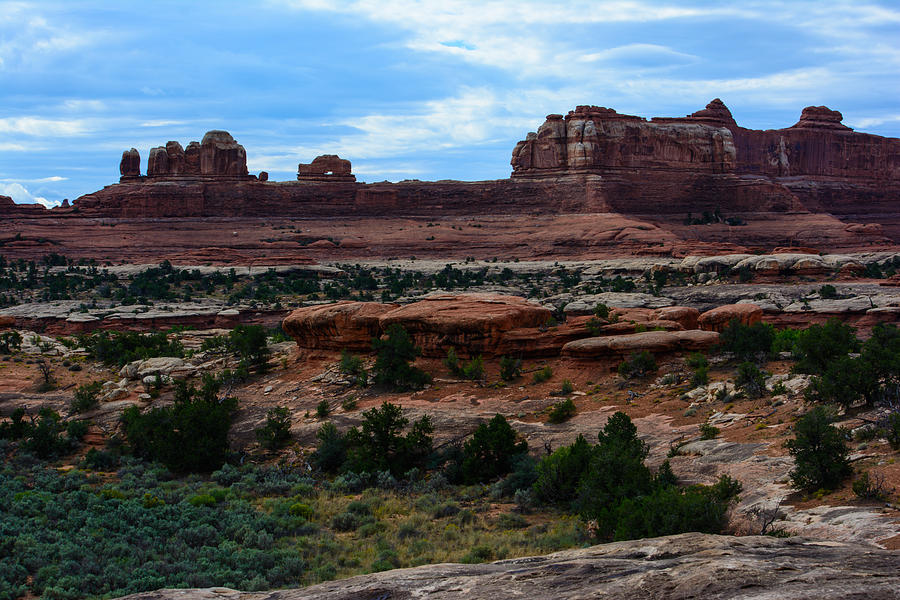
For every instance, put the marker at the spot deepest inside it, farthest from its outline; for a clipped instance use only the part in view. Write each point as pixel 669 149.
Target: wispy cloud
pixel 51 179
pixel 39 127
pixel 21 195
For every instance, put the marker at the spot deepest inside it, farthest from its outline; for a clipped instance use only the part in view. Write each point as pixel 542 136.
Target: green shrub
pixel 322 409
pixel 669 510
pixel 10 341
pixel 276 433
pixel 828 291
pixel 870 487
pixel 202 500
pixel 820 452
pixel 377 445
pixel 189 436
pixel 696 360
pixel 816 347
pixel 750 380
pixel 331 452
pixel 299 509
pixel 474 369
pixel 562 411
pixel 747 342
pixel 86 397
pixel 708 432
pixel 491 450
pixel 892 431
pixel 638 364
pixel 844 381
pixel 121 347
pixel 542 375
pixel 43 436
pixel 510 368
pixel 250 343
pixel 609 485
pixel 353 365
pixel 395 352
pixel 567 387
pixel 700 376
pixel 559 474
pixel 511 521
pixel 478 554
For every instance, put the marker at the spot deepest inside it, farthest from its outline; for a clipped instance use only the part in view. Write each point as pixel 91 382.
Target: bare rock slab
pixel 685 566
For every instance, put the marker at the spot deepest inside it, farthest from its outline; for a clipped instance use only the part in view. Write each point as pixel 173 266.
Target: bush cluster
pixel 378 444
pixel 611 487
pixel 117 348
pixel 189 436
pixel 473 369
pixel 638 364
pixel 392 367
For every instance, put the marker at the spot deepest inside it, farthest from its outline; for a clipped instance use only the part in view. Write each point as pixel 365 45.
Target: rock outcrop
pixel 718 318
pixel 594 138
pixel 218 156
pixel 690 565
pixel 471 323
pixel 130 166
pixel 339 326
pixel 655 342
pixel 327 167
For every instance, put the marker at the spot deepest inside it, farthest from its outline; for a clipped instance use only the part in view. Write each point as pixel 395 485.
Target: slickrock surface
pixel 682 566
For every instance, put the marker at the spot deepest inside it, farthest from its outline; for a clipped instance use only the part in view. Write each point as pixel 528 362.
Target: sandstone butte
pixel 588 184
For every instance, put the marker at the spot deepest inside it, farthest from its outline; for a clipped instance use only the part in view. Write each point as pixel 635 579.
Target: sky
pixel 409 89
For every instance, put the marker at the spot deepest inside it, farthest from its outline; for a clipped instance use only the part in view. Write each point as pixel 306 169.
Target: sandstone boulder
pixel 7 322
pixel 472 323
pixel 169 366
pixel 717 318
pixel 343 325
pixel 684 315
pixel 655 342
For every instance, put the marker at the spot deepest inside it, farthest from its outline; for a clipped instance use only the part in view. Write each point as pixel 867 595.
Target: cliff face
pixel 593 138
pixel 596 139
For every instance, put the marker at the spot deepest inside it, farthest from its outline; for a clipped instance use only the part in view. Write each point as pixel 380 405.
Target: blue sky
pixel 409 89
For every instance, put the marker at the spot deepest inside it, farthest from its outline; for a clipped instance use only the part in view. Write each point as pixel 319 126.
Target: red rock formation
pixel 339 326
pixel 472 323
pixel 655 342
pixel 130 166
pixel 327 167
pixel 718 318
pixel 217 156
pixel 594 139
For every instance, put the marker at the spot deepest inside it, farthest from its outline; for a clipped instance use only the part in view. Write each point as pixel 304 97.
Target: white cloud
pixel 505 34
pixel 39 127
pixel 54 178
pixel 873 121
pixel 643 52
pixel 162 123
pixel 26 36
pixel 21 195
